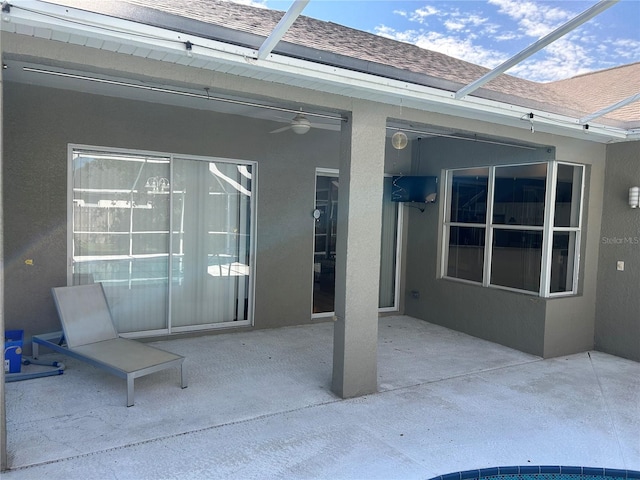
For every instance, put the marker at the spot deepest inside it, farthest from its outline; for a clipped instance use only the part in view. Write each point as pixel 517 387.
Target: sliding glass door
pixel 170 238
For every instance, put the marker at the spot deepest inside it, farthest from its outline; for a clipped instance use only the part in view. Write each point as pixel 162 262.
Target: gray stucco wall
pixel 617 327
pixel 544 327
pixel 41 122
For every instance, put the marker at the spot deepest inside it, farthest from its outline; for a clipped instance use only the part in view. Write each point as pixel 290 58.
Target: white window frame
pixel 548 229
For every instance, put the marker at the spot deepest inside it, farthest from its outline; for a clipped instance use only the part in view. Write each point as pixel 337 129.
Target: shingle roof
pixel 578 96
pixel 598 90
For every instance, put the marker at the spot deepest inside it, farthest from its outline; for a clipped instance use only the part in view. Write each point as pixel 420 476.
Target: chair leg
pixel 129 390
pixel 183 376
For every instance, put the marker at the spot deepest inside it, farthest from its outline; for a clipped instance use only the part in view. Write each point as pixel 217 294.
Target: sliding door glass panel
pixel 120 236
pixel 324 254
pixel 210 259
pixel 389 248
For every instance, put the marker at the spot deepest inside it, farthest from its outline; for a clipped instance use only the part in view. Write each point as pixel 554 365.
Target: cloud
pixel 506 36
pixel 534 19
pixel 462 48
pixel 451 31
pixel 627 48
pixel 421 14
pixel 407 36
pixel 459 22
pixel 562 59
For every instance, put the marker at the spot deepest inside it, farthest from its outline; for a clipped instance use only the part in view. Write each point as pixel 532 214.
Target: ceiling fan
pixel 300 124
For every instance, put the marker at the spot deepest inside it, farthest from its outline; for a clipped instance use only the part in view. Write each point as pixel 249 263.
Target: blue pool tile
pixel 509 470
pixel 451 476
pixel 489 472
pixel 549 469
pixel 571 470
pixel 633 474
pixel 615 472
pixel 470 474
pixel 529 469
pixel 593 471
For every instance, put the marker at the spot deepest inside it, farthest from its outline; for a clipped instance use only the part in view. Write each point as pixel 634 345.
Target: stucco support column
pixel 355 340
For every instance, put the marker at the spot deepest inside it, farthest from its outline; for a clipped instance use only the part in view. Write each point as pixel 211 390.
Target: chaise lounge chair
pixel 90 336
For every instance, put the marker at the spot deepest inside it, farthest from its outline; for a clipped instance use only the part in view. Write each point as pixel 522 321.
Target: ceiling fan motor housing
pixel 300 125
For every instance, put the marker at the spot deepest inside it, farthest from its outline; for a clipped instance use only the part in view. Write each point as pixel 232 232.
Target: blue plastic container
pixel 13 341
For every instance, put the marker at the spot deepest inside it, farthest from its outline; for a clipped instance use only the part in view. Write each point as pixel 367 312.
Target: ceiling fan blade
pixel 280 130
pixel 326 126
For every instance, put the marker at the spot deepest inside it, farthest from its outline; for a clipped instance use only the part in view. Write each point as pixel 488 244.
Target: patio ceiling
pixel 106 31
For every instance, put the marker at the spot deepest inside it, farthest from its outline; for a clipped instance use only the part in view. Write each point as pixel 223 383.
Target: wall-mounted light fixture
pixel 634 197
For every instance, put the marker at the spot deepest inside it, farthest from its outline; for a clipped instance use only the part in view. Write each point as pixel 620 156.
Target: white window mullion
pixel 547 236
pixel 70 216
pixel 576 257
pixel 444 258
pixel 241 248
pixel 488 234
pixel 576 262
pixel 170 256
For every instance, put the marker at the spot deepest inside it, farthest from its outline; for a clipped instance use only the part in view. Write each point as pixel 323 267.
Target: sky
pixel 488 32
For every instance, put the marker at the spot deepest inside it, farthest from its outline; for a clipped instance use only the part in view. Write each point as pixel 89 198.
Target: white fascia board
pixel 51 21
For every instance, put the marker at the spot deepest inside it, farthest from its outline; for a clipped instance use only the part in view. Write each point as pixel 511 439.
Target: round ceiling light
pixel 399 140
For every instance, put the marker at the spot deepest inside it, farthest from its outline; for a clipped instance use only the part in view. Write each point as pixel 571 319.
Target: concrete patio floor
pixel 259 405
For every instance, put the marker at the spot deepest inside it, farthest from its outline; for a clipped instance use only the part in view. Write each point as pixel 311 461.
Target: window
pixel 515 227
